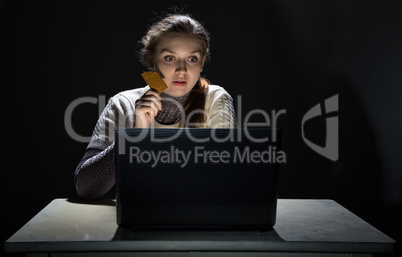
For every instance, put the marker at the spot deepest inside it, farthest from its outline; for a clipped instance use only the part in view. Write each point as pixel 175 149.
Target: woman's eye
pixel 192 59
pixel 169 58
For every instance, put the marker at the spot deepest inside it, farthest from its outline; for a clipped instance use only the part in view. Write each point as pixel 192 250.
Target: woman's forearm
pixel 95 174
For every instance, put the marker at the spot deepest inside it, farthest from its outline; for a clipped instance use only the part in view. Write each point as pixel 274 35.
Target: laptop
pixel 190 178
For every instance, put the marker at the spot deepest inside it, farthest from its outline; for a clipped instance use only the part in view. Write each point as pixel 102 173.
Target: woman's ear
pixel 149 61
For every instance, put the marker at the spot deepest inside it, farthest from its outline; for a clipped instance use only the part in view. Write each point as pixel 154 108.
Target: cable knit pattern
pixel 224 116
pixel 95 174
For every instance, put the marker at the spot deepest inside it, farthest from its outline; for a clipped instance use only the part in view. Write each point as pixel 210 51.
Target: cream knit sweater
pixel 119 113
pixel 95 174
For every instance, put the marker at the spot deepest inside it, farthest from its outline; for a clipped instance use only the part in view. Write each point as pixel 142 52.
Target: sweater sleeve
pixel 219 109
pixel 95 174
pixel 119 112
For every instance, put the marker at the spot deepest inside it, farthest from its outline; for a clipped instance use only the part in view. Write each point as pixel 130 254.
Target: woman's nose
pixel 181 67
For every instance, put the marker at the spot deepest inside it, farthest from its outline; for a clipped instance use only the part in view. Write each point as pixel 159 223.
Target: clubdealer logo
pixel 271 155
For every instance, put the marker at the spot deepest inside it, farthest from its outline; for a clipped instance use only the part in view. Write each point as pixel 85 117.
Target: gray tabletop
pixel 302 226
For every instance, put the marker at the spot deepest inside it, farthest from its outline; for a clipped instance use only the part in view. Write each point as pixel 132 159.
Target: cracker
pixel 154 81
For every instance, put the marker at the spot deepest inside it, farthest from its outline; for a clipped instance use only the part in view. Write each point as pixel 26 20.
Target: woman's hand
pixel 146 108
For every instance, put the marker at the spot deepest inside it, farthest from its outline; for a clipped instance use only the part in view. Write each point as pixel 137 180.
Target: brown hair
pixel 180 24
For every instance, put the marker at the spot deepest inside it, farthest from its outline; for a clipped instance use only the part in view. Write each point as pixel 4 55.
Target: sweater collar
pixel 172 108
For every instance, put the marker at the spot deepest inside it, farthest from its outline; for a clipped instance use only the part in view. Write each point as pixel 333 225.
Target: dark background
pixel 274 54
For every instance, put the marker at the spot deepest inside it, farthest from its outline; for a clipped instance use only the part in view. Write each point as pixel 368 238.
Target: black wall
pixel 273 54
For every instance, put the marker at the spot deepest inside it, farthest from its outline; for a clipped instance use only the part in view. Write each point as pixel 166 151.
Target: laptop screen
pixel 197 178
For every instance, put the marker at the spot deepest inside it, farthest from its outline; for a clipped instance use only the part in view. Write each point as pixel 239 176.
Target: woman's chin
pixel 177 92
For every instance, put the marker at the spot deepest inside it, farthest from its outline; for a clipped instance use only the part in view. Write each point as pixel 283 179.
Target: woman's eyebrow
pixel 173 52
pixel 167 50
pixel 196 51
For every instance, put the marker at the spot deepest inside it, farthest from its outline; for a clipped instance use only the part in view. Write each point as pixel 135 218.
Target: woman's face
pixel 179 61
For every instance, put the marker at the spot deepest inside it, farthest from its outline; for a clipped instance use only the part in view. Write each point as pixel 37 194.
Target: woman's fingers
pixel 146 108
pixel 150 98
pixel 150 103
pixel 149 106
pixel 154 93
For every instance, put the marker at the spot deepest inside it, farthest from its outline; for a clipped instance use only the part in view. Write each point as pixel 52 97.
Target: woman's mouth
pixel 180 82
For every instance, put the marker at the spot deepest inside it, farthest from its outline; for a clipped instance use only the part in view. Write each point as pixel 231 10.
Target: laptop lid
pixel 197 178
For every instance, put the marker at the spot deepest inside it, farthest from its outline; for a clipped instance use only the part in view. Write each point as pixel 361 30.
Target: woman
pixel 175 47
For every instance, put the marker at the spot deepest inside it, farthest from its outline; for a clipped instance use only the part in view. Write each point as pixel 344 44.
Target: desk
pixel 303 228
